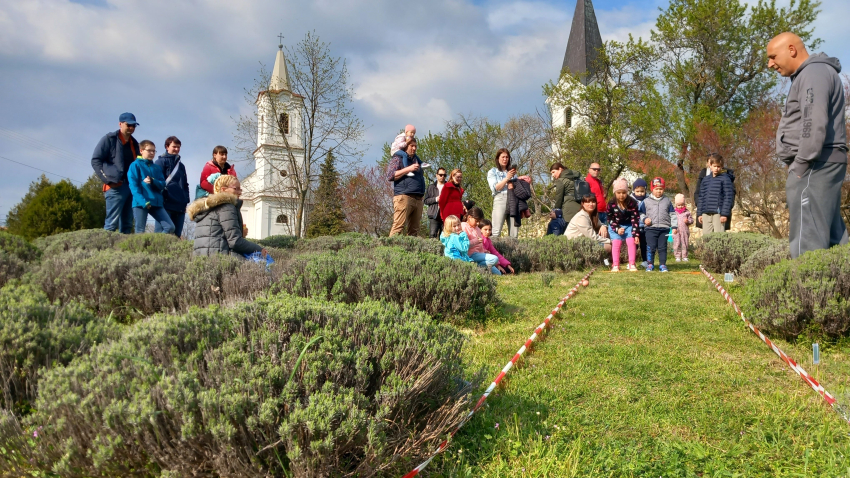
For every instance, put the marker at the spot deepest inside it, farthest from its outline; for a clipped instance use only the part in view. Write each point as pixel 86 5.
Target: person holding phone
pixel 499 178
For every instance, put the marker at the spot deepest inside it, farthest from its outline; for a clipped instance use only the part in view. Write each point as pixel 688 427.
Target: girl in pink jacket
pixel 683 234
pixel 487 229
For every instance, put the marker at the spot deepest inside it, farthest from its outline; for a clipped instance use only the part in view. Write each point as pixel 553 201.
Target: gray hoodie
pixel 812 125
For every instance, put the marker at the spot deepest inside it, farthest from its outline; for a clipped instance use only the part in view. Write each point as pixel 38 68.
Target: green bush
pixel 230 393
pixel 36 334
pixel 764 257
pixel 334 243
pixel 86 239
pixel 551 253
pixel 727 252
pixel 810 294
pixel 413 244
pixel 19 247
pixel 11 267
pixel 442 287
pixel 134 284
pixel 153 243
pixel 279 242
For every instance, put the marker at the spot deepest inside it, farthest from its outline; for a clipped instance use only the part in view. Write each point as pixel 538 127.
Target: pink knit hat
pixel 680 199
pixel 620 184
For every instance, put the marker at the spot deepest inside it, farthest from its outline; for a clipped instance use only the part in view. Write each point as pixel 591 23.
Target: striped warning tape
pixel 502 373
pixel 817 387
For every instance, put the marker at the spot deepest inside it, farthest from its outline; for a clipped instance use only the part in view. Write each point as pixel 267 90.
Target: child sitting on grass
pixel 504 265
pixel 659 216
pixel 623 224
pixel 476 241
pixel 454 240
pixel 682 238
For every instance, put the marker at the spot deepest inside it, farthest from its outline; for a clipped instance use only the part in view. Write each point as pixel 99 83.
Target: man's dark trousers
pixel 814 204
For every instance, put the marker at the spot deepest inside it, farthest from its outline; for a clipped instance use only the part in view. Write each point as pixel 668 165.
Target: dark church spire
pixel 584 43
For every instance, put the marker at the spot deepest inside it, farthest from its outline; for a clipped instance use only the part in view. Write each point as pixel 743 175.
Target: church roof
pixel 584 43
pixel 280 75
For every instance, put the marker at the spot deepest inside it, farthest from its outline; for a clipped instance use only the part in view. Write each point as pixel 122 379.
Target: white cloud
pixel 518 13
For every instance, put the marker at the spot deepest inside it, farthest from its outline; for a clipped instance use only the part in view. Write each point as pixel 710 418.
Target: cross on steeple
pixel 280 37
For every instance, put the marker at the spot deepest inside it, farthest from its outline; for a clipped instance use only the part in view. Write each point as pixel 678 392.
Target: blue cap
pixel 128 118
pixel 639 183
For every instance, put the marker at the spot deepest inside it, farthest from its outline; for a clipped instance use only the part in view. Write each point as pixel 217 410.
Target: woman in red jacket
pixel 218 164
pixel 450 197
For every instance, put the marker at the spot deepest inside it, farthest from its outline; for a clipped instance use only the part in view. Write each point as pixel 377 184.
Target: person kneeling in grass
pixel 476 241
pixel 504 265
pixel 219 227
pixel 454 240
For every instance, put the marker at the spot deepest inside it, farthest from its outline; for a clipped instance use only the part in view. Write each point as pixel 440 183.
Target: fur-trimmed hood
pixel 201 206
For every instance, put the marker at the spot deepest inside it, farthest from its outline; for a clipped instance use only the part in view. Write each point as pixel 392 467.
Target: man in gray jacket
pixel 812 141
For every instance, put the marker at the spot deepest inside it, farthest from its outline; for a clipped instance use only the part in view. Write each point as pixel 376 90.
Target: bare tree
pixel 303 111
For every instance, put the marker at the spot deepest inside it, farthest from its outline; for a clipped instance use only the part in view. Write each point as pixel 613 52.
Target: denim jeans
pixel 177 219
pixel 486 260
pixel 119 209
pixel 159 216
pixel 619 237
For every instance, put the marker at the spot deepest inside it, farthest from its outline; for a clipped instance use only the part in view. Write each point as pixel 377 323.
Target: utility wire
pixel 37 144
pixel 42 170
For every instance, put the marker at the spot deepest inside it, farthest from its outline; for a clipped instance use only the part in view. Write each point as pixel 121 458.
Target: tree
pixel 713 63
pixel 618 112
pixel 92 192
pixel 50 208
pixel 368 205
pixel 323 121
pixel 328 217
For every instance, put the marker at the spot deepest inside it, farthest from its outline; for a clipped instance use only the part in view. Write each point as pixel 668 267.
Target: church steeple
pixel 584 43
pixel 280 75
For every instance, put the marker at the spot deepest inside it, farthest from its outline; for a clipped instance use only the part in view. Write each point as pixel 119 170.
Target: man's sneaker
pixel 685 260
pixel 615 269
pixel 644 264
pixel 663 268
pixel 678 260
pixel 632 268
pixel 649 268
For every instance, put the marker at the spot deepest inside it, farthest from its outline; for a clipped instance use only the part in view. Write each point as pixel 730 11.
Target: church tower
pixel 270 204
pixel 583 48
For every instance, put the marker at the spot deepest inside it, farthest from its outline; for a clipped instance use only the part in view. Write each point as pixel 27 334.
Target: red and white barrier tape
pixel 817 387
pixel 495 383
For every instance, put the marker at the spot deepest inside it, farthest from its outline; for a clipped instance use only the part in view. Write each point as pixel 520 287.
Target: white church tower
pixel 583 48
pixel 270 204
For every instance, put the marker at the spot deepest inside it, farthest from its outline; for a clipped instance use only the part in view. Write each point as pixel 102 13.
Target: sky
pixel 69 68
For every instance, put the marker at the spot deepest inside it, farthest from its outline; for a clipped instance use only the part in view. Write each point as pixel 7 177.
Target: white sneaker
pixel 678 260
pixel 685 260
pixel 615 269
pixel 644 264
pixel 632 268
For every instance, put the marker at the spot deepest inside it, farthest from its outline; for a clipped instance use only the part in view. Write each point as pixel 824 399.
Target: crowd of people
pixel 136 186
pixel 811 139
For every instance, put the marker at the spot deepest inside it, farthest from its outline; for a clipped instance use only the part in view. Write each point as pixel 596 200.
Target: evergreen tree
pixel 327 217
pixel 50 208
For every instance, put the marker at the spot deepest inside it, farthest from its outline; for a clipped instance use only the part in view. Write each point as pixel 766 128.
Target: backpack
pixel 581 188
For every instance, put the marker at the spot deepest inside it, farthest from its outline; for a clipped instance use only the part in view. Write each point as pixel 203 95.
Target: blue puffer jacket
pixel 143 192
pixel 457 246
pixel 175 196
pixel 716 195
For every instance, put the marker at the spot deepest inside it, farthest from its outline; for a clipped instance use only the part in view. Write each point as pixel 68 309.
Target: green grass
pixel 644 374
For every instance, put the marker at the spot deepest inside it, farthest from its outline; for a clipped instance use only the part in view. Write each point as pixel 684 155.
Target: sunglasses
pixel 595 169
pixel 441 175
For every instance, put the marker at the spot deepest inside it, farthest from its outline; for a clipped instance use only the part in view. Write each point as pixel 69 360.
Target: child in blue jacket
pixel 146 183
pixel 455 240
pixel 716 197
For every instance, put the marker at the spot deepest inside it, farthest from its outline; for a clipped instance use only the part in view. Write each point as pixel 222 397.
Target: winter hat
pixel 639 183
pixel 620 184
pixel 658 182
pixel 680 198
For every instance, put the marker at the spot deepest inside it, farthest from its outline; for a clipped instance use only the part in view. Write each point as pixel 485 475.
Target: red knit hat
pixel 658 181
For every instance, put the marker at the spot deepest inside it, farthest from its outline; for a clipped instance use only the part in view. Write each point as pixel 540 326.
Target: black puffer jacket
pixel 219 226
pixel 517 200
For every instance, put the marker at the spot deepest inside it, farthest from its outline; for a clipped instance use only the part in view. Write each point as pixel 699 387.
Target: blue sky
pixel 70 68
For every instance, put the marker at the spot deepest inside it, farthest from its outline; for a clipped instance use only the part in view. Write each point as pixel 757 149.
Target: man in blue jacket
pixel 812 140
pixel 176 193
pixel 111 160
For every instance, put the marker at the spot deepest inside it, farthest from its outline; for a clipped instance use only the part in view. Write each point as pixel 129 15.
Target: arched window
pixel 568 117
pixel 282 219
pixel 262 125
pixel 284 123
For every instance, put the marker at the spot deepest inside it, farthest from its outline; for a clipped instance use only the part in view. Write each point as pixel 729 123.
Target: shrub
pixel 19 247
pixel 228 393
pixel 86 239
pixel 766 256
pixel 279 242
pixel 440 286
pixel 11 267
pixel 550 253
pixel 809 294
pixel 132 284
pixel 413 244
pixel 727 252
pixel 334 243
pixel 35 334
pixel 161 244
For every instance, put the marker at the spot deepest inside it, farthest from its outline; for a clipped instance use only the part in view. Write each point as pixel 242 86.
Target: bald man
pixel 812 141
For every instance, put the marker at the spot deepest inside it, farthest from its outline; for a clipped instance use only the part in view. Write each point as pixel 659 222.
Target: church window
pixel 568 117
pixel 282 219
pixel 262 124
pixel 284 123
